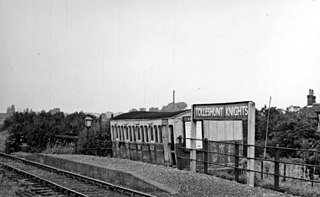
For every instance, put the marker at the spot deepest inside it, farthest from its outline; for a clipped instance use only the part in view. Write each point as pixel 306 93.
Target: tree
pixel 37 130
pixel 172 107
pixel 298 132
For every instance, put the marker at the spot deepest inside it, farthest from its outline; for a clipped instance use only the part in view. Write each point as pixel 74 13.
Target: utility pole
pixel 266 140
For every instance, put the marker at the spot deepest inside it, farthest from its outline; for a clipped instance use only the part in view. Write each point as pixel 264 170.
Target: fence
pixel 229 160
pixel 141 151
pixel 83 145
pixel 97 148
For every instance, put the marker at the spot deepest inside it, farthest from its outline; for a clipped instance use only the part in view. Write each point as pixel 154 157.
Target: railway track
pixel 56 182
pixel 27 187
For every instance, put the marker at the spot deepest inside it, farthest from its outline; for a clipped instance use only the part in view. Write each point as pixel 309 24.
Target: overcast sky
pixel 115 55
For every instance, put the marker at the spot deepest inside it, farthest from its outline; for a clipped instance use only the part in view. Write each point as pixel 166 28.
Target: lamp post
pixel 87 123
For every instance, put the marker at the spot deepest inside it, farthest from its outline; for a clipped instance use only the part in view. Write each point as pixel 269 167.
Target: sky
pixel 115 55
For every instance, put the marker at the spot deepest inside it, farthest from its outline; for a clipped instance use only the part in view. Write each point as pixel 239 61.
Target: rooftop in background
pixel 316 107
pixel 148 115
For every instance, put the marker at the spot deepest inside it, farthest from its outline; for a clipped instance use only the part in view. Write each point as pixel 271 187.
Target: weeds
pixel 59 149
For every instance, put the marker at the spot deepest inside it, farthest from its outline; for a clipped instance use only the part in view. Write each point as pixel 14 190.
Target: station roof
pixel 147 115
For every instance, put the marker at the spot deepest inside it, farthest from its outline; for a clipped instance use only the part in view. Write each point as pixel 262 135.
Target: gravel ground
pixel 185 183
pixel 8 186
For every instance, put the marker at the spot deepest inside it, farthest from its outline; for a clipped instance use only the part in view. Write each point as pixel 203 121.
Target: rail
pixel 86 179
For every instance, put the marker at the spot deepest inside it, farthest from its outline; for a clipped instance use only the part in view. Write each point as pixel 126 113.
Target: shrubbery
pixel 289 130
pixel 33 132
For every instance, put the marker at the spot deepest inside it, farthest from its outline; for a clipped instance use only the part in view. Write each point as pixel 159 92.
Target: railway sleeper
pixel 25 193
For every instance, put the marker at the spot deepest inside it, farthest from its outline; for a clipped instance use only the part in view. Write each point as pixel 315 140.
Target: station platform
pixel 154 179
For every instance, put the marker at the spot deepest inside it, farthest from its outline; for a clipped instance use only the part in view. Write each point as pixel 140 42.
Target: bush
pixel 36 130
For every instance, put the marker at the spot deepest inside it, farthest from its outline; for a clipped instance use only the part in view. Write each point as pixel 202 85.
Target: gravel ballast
pixel 185 183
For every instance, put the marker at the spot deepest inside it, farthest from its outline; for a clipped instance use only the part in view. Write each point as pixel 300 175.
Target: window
pixel 147 133
pixel 151 134
pixel 122 133
pixel 134 134
pixel 117 132
pixel 127 132
pixel 160 134
pixel 138 132
pixel 113 133
pixel 142 134
pixel 156 134
pixel 130 133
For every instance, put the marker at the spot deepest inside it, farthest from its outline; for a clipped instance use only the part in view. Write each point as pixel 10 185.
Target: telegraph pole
pixel 266 140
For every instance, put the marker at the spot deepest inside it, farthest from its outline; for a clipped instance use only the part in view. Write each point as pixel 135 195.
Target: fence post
pixel 137 152
pixel 193 150
pixel 261 170
pixel 284 172
pixel 276 168
pixel 149 151
pixel 206 156
pixel 179 164
pixel 312 172
pixel 236 161
pixel 76 146
pixel 251 144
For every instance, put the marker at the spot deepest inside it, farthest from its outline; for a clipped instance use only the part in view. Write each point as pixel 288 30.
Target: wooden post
pixel 284 172
pixel 206 155
pixel 149 152
pixel 137 152
pixel 166 148
pixel 76 146
pixel 236 161
pixel 261 170
pixel 276 169
pixel 251 143
pixel 193 151
pixel 312 172
pixel 178 150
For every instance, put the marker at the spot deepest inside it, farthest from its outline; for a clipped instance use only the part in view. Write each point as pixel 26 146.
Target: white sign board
pixel 187 127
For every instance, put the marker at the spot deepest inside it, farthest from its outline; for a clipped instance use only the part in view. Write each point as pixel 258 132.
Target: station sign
pixel 223 111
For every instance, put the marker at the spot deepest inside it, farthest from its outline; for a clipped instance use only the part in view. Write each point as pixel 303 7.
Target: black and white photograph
pixel 160 98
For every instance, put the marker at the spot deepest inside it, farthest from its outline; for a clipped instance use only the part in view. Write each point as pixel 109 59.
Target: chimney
pixel 311 98
pixel 174 96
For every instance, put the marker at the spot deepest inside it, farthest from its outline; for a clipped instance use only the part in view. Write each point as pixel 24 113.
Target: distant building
pixel 11 110
pixel 54 111
pixel 312 109
pixel 311 98
pixel 109 115
pixel 282 111
pixel 154 109
pixel 293 108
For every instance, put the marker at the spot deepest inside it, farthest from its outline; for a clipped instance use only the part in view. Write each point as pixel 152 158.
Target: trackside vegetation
pixel 36 132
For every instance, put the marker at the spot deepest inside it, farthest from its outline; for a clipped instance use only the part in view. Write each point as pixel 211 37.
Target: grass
pixel 59 149
pixel 3 136
pixel 290 186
